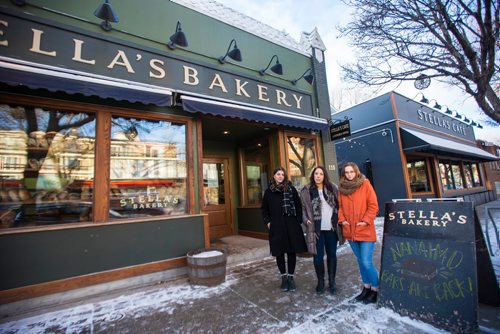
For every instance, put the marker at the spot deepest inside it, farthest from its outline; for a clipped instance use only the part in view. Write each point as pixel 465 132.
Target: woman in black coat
pixel 282 214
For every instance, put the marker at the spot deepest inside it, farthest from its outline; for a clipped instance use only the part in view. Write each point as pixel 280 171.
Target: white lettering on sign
pixel 37 41
pixel 78 53
pixel 153 67
pixel 441 122
pixel 4 42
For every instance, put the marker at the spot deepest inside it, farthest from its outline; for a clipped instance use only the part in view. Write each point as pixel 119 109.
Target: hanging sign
pixel 340 130
pixel 428 269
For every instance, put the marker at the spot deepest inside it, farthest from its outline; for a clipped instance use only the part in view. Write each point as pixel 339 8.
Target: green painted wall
pixel 38 257
pixel 152 24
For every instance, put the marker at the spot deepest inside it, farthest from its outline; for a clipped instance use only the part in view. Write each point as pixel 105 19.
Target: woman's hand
pixel 345 222
pixel 308 222
pixel 268 226
pixel 361 224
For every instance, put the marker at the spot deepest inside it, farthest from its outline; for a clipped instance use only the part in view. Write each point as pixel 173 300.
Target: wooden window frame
pixel 104 113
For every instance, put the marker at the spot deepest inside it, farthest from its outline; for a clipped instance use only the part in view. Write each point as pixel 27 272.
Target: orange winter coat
pixel 360 206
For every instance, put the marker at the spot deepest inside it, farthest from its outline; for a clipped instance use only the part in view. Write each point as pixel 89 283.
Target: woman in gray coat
pixel 282 214
pixel 320 216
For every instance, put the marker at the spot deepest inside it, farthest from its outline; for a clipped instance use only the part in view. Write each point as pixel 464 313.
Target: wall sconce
pixel 473 123
pixel 178 38
pixel 234 54
pixel 458 116
pixel 276 68
pixel 105 12
pixel 436 104
pixel 448 111
pixel 466 120
pixel 309 77
pixel 479 126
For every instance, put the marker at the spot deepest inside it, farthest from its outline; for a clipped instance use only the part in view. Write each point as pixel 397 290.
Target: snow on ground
pixel 164 299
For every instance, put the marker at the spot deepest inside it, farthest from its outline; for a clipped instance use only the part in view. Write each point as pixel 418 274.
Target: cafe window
pixel 46 166
pixel 455 175
pixel 472 176
pixel 446 175
pixel 148 175
pixel 418 174
pixel 302 158
pixel 254 157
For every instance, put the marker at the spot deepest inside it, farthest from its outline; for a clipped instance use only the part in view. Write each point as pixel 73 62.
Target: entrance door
pixel 217 196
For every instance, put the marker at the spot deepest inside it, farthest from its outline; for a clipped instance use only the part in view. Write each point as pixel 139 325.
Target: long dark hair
pixel 285 180
pixel 326 180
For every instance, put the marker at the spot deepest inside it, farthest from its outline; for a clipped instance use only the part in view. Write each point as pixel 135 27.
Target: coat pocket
pixel 346 231
pixel 363 231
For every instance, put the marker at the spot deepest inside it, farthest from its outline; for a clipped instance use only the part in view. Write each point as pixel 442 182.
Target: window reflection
pixel 148 168
pixel 301 159
pixel 417 171
pixel 46 166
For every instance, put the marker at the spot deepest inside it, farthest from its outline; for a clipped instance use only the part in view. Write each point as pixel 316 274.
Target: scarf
pixel 347 187
pixel 287 202
pixel 330 198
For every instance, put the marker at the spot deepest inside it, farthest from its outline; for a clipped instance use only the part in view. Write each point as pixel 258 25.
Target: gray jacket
pixel 307 214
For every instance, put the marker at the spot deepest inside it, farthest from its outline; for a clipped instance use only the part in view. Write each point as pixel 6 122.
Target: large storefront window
pixel 418 173
pixel 302 158
pixel 455 175
pixel 46 166
pixel 472 178
pixel 148 168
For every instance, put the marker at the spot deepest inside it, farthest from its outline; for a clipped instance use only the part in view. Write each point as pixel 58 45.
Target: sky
pixel 296 16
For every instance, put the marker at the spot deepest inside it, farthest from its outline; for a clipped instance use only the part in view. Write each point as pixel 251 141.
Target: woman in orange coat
pixel 358 208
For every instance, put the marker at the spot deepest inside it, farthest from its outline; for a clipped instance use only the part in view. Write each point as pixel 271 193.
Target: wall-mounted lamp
pixel 234 54
pixel 422 100
pixel 178 38
pixel 466 120
pixel 276 68
pixel 309 77
pixel 479 126
pixel 457 115
pixel 448 111
pixel 436 104
pixel 105 12
pixel 473 123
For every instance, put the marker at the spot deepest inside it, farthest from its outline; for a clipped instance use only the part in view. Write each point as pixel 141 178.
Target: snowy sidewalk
pixel 248 302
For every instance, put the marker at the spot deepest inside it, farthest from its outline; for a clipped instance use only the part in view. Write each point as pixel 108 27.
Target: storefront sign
pixel 428 267
pixel 47 44
pixel 340 130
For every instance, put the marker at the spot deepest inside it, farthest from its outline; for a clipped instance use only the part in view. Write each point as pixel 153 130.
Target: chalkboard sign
pixel 428 267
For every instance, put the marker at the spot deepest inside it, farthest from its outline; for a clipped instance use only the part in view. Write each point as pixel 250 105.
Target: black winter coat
pixel 285 232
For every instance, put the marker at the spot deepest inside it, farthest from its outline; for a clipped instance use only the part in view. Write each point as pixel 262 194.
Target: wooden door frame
pixel 226 159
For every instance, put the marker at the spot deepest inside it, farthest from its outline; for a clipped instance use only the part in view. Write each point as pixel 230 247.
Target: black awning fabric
pixel 218 108
pixel 414 140
pixel 35 78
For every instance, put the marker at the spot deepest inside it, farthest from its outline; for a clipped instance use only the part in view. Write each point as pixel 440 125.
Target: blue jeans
pixel 364 253
pixel 328 240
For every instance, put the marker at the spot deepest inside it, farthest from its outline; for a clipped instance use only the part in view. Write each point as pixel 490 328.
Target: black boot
pixel 364 293
pixel 371 298
pixel 291 283
pixel 284 282
pixel 332 271
pixel 320 274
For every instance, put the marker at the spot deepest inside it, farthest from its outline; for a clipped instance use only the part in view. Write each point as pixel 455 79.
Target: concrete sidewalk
pixel 248 302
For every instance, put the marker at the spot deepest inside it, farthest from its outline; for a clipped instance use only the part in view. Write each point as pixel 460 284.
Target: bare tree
pixel 454 41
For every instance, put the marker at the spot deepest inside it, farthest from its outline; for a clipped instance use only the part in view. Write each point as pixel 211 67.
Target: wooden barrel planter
pixel 207 266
